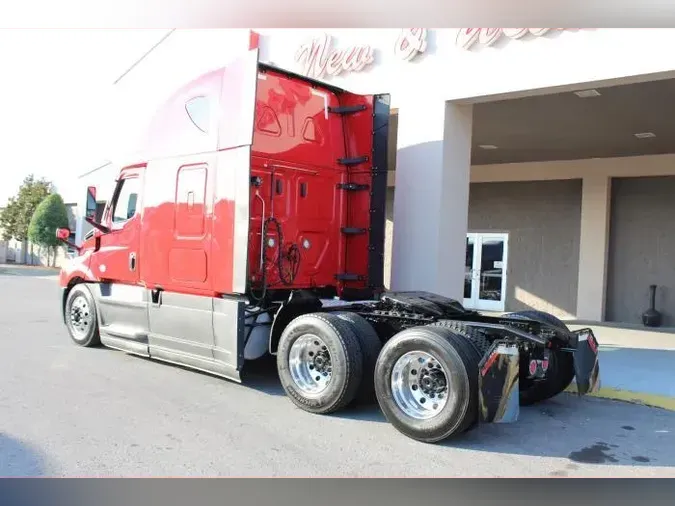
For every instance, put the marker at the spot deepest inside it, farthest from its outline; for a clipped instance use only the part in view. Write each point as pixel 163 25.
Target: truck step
pixel 353 230
pixel 349 277
pixel 347 109
pixel 353 161
pixel 352 186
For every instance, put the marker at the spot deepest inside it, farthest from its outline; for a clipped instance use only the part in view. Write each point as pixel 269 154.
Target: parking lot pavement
pixel 69 411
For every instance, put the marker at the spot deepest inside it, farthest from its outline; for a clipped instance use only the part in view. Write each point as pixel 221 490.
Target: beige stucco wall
pixel 642 248
pixel 542 219
pixel 579 288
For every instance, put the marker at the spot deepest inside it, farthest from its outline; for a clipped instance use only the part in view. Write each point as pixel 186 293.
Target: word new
pixel 318 58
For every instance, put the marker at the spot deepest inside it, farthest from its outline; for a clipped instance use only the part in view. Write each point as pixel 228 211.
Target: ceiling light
pixel 587 93
pixel 645 135
pixel 487 146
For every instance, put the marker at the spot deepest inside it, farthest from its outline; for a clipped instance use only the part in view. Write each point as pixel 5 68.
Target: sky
pixel 56 99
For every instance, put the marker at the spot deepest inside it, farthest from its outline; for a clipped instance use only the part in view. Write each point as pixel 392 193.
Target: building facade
pixel 530 168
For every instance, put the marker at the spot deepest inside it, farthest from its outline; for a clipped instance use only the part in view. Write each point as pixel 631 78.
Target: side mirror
pixel 90 211
pixel 62 234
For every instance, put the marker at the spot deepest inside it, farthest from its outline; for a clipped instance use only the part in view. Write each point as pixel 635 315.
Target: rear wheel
pixel 426 382
pixel 81 317
pixel 560 372
pixel 319 362
pixel 370 349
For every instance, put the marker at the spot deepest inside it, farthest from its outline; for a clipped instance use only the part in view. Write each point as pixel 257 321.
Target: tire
pixel 339 387
pixel 478 341
pixel 561 366
pixel 370 349
pixel 81 317
pixel 458 360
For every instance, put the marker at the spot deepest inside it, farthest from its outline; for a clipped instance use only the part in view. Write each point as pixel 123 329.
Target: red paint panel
pixel 223 246
pixel 297 143
pixel 253 40
pixel 310 222
pixel 112 260
pixel 187 265
pixel 190 203
pixel 309 135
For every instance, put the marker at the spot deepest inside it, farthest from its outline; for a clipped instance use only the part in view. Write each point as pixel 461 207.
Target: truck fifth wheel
pixel 252 223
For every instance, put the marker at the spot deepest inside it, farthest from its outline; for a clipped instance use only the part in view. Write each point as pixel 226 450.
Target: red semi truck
pixel 253 224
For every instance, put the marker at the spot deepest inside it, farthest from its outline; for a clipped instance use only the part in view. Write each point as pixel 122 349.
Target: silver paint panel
pixel 182 323
pixel 126 345
pixel 201 333
pixel 228 330
pixel 122 309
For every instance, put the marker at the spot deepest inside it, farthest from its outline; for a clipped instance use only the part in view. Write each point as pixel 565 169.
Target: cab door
pixel 122 301
pixel 117 255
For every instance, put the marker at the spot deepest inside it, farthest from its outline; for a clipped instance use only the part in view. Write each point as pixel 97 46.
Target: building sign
pixel 318 58
pixel 468 37
pixel 410 43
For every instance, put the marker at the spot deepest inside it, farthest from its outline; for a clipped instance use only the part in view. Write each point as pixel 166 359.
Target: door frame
pixel 474 302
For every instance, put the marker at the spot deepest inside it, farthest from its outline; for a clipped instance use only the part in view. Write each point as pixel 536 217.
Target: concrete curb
pixel 643 398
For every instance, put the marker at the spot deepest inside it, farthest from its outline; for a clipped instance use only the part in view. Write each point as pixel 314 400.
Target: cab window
pixel 127 198
pixel 197 109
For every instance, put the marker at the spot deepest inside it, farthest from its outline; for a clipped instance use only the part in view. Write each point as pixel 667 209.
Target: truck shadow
pixel 261 375
pixel 19 459
pixel 581 430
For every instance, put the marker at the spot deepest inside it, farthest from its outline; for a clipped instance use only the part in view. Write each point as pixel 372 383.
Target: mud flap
pixel 498 385
pixel 586 364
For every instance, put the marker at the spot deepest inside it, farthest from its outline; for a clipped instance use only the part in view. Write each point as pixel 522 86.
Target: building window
pixel 125 204
pixel 197 109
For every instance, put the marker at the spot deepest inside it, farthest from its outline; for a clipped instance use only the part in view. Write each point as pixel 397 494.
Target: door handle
pixel 132 261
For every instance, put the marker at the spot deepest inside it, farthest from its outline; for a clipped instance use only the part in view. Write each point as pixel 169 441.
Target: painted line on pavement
pixel 643 398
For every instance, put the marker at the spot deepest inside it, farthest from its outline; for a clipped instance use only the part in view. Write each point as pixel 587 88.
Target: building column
pixel 593 247
pixel 431 199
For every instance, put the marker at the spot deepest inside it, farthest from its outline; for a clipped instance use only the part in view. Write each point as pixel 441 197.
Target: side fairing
pixel 231 199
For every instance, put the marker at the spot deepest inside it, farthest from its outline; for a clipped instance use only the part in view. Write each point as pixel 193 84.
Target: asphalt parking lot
pixel 68 411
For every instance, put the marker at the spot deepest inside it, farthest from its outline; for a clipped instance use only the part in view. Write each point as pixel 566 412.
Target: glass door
pixel 485 271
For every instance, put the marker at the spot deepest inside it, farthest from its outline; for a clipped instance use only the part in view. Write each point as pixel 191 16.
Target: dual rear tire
pixel 326 361
pixel 426 382
pixel 425 379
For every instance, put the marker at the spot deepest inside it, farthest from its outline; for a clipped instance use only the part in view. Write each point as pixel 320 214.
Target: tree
pixel 8 220
pixel 16 217
pixel 50 215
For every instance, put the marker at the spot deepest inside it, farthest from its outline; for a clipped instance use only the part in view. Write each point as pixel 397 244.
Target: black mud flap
pixel 498 384
pixel 586 364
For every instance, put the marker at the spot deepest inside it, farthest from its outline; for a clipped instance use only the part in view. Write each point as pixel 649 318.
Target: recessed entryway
pixel 485 271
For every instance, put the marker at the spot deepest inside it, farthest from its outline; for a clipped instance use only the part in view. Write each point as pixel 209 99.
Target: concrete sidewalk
pixel 32 271
pixel 636 365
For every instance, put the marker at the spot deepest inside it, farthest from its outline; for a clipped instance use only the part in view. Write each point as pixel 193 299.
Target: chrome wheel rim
pixel 81 316
pixel 419 385
pixel 310 364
